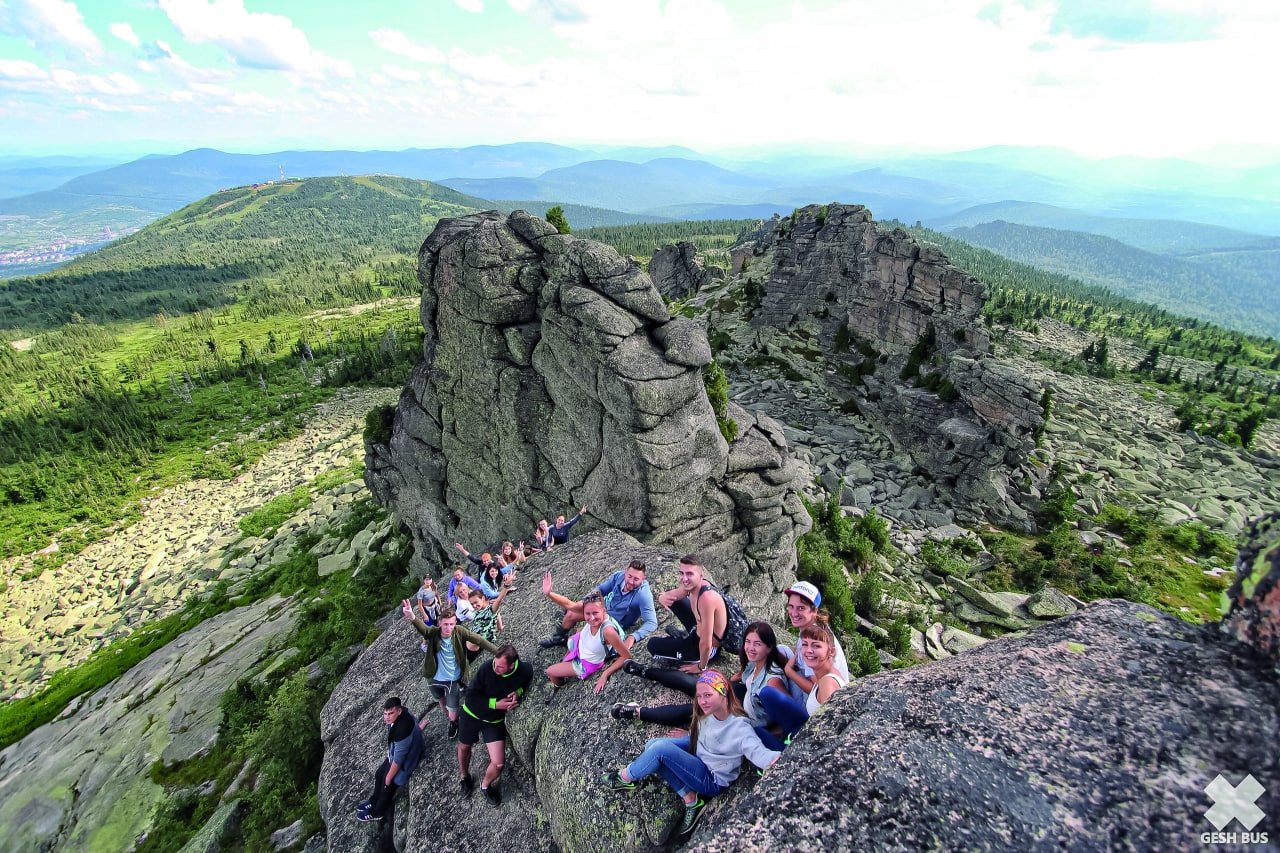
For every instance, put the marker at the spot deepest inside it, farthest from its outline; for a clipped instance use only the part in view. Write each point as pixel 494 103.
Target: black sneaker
pixel 559 638
pixel 364 807
pixel 625 711
pixel 692 811
pixel 466 785
pixel 676 632
pixel 453 729
pixel 492 794
pixel 367 817
pixel 634 667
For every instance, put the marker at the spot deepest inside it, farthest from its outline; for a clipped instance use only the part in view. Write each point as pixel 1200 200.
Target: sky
pixel 1102 77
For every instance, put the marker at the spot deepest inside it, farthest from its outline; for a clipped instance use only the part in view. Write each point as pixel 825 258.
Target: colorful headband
pixel 718 682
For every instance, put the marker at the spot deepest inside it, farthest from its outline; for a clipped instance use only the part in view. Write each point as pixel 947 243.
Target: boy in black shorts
pixel 494 690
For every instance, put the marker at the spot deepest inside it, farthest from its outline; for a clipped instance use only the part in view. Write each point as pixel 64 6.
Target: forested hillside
pixel 296 245
pixel 643 240
pixel 1237 295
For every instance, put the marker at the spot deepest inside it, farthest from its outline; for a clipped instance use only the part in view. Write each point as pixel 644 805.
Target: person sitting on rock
pixel 708 759
pixel 460 576
pixel 510 557
pixel 803 601
pixel 496 689
pixel 589 648
pixel 483 562
pixel 762 665
pixel 486 622
pixel 702 612
pixel 463 609
pixel 428 601
pixel 446 666
pixel 404 749
pixel 818 648
pixel 494 584
pixel 628 599
pixel 542 540
pixel 560 530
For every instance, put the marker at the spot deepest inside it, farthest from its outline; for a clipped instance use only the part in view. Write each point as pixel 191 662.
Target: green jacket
pixel 460 637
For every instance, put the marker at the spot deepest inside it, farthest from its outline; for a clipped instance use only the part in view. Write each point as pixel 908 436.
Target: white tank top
pixel 812 704
pixel 591 647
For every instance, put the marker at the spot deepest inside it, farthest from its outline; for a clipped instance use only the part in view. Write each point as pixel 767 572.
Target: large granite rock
pixel 1253 601
pixel 830 272
pixel 1097 732
pixel 560 740
pixel 677 271
pixel 82 781
pixel 554 376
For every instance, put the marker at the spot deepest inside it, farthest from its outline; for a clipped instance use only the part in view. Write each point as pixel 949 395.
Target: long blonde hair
pixel 721 685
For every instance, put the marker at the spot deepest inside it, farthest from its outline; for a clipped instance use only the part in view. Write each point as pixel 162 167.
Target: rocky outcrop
pixel 1097 732
pixel 81 782
pixel 677 271
pixel 554 376
pixel 561 740
pixel 1253 601
pixel 898 330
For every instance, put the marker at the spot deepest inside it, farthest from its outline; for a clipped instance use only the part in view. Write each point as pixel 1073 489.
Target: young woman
pixel 493 583
pixel 485 621
pixel 818 648
pixel 542 540
pixel 588 648
pixel 709 759
pixel 510 557
pixel 762 665
pixel 428 601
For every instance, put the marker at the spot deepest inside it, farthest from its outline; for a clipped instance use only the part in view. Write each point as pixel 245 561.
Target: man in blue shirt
pixel 627 598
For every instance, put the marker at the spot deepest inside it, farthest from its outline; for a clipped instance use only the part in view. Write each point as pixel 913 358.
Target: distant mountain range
pixel 1197 220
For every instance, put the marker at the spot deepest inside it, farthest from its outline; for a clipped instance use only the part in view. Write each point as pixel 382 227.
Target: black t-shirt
pixel 487 687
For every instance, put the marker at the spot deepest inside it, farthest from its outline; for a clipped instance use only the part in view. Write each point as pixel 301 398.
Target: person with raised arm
pixel 560 530
pixel 589 648
pixel 446 665
pixel 627 598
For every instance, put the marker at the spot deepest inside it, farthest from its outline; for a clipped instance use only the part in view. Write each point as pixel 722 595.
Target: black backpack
pixel 735 623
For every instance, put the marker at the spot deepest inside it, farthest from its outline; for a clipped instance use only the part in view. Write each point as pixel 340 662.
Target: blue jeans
pixel 670 758
pixel 783 710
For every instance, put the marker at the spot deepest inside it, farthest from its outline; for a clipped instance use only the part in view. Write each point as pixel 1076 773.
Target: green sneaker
pixel 614 782
pixel 692 811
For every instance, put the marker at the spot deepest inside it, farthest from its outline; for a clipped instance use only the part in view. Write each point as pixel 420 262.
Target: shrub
pixel 868 595
pixel 555 216
pixel 717 385
pixel 275 512
pixel 900 637
pixel 944 558
pixel 377 425
pixel 862 656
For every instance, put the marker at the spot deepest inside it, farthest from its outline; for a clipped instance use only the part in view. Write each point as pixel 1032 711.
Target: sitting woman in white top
pixel 589 648
pixel 706 761
pixel 817 648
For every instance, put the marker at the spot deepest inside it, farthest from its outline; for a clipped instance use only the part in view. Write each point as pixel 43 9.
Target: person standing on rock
pixel 497 688
pixel 404 748
pixel 701 609
pixel 560 530
pixel 803 601
pixel 628 600
pixel 428 601
pixel 708 759
pixel 446 665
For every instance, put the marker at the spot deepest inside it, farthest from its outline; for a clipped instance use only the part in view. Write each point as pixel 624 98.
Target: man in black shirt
pixel 495 689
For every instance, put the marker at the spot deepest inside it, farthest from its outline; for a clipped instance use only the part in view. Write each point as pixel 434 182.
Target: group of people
pixel 751 714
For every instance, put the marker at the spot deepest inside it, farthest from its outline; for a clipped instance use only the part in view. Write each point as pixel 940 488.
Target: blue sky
pixel 1147 77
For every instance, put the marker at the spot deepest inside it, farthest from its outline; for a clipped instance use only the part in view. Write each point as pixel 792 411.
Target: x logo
pixel 1234 802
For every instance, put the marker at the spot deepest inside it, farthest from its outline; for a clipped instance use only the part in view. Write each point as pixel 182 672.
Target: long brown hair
pixel 765 632
pixel 735 708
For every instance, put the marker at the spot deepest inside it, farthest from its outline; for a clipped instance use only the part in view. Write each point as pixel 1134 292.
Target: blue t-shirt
pixel 447 662
pixel 630 607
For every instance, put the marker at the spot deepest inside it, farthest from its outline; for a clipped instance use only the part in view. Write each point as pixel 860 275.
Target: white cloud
pixel 394 41
pixel 125 33
pixel 49 23
pixel 106 84
pixel 402 74
pixel 476 6
pixel 253 39
pixel 20 69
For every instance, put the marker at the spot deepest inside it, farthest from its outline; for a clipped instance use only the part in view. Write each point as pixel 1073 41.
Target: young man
pixel 560 530
pixel 460 578
pixel 496 689
pixel 404 748
pixel 627 598
pixel 803 600
pixel 446 665
pixel 701 610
